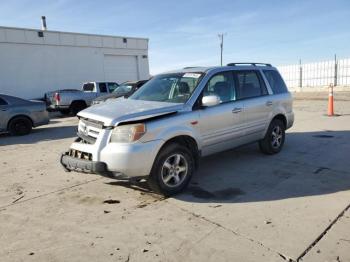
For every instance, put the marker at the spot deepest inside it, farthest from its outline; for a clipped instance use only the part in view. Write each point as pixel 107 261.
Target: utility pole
pixel 221 36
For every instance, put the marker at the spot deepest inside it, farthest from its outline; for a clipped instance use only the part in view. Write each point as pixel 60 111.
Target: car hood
pixel 113 112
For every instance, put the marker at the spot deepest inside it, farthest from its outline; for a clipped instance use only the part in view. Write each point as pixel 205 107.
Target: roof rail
pixel 248 63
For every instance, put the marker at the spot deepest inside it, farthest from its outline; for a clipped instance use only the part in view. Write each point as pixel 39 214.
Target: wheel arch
pixel 17 116
pixel 187 141
pixel 282 118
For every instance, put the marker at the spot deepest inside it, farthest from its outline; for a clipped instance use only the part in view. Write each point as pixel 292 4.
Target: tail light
pixel 57 97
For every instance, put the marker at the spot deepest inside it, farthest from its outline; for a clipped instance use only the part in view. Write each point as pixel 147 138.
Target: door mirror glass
pixel 211 100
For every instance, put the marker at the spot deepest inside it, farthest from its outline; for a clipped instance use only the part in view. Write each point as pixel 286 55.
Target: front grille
pixel 89 130
pixel 80 154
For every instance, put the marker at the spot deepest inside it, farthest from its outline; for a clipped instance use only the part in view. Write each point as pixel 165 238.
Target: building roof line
pixel 73 33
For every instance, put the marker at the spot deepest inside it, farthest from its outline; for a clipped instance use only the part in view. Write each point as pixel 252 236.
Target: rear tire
pixel 172 170
pixel 20 126
pixel 274 138
pixel 77 106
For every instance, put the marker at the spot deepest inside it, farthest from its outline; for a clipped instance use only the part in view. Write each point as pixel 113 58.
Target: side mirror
pixel 211 100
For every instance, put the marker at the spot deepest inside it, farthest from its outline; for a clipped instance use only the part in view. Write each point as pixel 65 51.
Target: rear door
pixel 257 106
pixel 221 125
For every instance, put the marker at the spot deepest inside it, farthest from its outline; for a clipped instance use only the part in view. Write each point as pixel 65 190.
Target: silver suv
pixel 163 129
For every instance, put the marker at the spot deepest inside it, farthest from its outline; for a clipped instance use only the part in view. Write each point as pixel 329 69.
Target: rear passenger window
pixel 221 85
pixel 276 82
pixel 103 88
pixel 249 84
pixel 2 102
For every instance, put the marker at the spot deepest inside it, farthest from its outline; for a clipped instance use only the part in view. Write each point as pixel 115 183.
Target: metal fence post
pixel 300 74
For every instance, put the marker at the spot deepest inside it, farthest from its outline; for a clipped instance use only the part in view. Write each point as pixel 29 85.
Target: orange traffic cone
pixel 330 101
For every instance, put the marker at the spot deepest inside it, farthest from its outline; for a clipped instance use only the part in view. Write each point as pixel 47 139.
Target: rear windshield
pixel 173 88
pixel 88 87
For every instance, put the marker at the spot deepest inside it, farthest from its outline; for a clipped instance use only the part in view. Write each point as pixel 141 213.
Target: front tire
pixel 20 126
pixel 172 170
pixel 274 138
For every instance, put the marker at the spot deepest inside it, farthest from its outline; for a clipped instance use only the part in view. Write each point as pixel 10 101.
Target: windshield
pixel 173 88
pixel 123 89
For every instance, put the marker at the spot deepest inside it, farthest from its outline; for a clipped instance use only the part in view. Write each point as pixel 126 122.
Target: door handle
pixel 3 109
pixel 269 103
pixel 237 110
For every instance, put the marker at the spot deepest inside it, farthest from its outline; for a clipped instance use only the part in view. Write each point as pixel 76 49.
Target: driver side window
pixel 221 85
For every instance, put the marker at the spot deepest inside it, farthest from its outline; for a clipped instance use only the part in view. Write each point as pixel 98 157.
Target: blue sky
pixel 184 33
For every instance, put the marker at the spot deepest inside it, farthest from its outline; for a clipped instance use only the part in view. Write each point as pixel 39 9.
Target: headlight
pixel 128 133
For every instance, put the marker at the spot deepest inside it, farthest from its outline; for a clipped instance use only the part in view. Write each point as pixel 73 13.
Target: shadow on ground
pixel 40 134
pixel 310 164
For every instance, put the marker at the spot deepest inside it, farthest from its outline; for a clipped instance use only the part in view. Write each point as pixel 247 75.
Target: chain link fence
pixel 318 74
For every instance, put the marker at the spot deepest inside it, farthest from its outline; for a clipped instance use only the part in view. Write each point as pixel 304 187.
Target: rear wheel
pixel 172 170
pixel 20 126
pixel 274 138
pixel 77 106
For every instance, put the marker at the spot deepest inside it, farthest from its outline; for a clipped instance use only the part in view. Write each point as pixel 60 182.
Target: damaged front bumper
pixel 70 163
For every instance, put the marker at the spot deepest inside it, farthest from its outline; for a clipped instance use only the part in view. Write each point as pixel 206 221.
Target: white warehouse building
pixel 33 62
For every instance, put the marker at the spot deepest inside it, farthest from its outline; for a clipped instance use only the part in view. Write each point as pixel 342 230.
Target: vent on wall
pixel 125 40
pixel 40 34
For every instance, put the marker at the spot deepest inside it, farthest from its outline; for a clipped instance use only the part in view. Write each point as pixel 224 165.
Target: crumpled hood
pixel 124 110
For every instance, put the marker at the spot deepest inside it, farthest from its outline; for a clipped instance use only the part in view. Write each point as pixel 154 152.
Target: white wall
pixel 31 66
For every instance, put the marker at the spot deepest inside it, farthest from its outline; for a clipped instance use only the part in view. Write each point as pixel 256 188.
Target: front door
pixel 221 125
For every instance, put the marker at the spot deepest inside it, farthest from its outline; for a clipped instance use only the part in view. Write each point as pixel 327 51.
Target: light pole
pixel 221 36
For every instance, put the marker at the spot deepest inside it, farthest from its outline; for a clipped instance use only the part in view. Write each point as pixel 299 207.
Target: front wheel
pixel 172 170
pixel 274 138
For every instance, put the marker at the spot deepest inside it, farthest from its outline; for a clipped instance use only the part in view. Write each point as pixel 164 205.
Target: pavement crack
pixel 324 232
pixel 16 202
pixel 285 257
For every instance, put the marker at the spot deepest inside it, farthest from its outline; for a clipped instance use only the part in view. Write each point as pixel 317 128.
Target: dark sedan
pixel 125 89
pixel 18 116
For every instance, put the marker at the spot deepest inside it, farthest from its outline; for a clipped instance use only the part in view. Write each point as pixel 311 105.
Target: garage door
pixel 120 68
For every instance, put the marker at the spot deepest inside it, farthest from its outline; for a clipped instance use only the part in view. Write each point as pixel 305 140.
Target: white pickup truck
pixel 73 101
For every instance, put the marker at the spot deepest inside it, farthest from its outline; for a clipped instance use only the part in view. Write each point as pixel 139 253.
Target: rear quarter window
pixel 2 102
pixel 276 82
